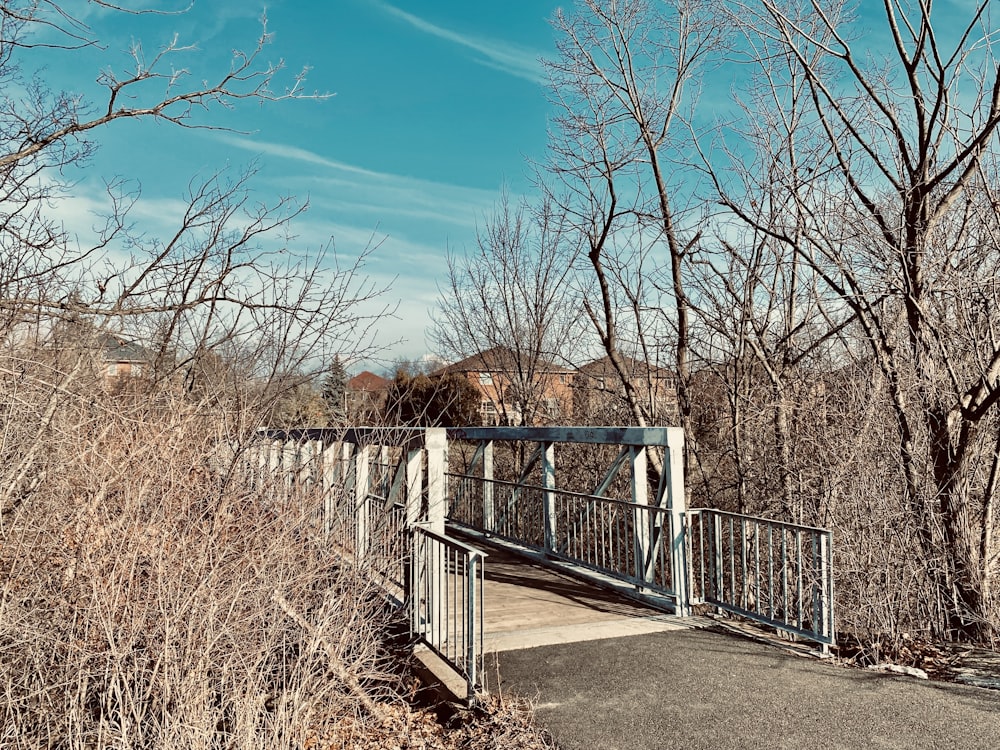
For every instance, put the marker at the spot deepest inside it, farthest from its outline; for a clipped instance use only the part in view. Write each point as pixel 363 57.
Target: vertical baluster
pixel 770 570
pixel 756 557
pixel 798 578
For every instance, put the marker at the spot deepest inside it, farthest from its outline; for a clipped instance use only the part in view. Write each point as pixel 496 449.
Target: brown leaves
pixel 497 723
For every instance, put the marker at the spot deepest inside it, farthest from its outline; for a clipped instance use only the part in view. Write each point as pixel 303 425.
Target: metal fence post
pixel 289 456
pixel 828 578
pixel 362 514
pixel 641 526
pixel 823 605
pixel 548 455
pixel 263 459
pixel 677 504
pixel 329 461
pixel 308 451
pixel 718 578
pixel 472 631
pixel 415 596
pixel 273 464
pixel 489 514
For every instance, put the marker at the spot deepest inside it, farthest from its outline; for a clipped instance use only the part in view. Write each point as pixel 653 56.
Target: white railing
pixel 383 494
pixel 446 591
pixel 387 490
pixel 770 571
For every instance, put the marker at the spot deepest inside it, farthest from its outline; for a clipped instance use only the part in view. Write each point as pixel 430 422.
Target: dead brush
pixel 149 600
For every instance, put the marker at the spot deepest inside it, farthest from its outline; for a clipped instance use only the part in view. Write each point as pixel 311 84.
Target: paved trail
pixel 693 689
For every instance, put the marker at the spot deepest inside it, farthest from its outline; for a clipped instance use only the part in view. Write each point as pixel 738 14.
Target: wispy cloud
pixel 380 194
pixel 402 264
pixel 295 153
pixel 494 53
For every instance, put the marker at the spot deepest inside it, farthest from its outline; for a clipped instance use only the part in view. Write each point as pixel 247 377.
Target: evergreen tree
pixel 335 391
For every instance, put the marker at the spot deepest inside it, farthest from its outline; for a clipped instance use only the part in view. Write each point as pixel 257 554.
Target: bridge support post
pixel 640 523
pixel 548 455
pixel 429 569
pixel 677 503
pixel 274 448
pixel 436 446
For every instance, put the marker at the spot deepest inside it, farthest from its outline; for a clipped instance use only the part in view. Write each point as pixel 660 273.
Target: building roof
pixel 603 367
pixel 499 359
pixel 367 381
pixel 119 349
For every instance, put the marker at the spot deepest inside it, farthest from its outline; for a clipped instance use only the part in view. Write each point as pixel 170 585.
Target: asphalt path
pixel 703 689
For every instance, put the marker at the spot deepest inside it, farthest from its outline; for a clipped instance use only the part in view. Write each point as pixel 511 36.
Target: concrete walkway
pixel 695 688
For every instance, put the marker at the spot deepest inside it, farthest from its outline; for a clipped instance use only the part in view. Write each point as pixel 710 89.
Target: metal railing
pixel 446 601
pixel 621 539
pixel 387 499
pixel 382 508
pixel 776 573
pixel 626 527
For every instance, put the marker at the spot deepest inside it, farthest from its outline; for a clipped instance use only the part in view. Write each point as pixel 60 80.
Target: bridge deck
pixel 528 605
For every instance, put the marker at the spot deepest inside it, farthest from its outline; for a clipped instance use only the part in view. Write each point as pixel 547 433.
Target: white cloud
pixel 295 153
pixel 497 54
pixel 383 195
pixel 404 266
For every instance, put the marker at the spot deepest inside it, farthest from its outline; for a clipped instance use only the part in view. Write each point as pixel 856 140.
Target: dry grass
pixel 150 598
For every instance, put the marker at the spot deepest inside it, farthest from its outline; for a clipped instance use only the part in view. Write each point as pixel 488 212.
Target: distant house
pixel 122 358
pixel 366 393
pixel 599 396
pixel 516 390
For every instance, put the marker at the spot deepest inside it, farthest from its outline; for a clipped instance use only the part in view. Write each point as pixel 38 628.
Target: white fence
pixel 383 493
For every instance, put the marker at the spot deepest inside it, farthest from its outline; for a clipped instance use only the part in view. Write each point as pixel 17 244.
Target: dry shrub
pixel 152 596
pixel 151 599
pixel 497 723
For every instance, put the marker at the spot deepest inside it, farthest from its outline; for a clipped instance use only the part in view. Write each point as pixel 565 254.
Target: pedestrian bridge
pixel 500 538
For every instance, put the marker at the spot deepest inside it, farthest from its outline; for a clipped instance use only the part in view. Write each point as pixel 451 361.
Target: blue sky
pixel 435 106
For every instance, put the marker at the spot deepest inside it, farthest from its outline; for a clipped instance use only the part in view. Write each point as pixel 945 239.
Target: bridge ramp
pixel 529 605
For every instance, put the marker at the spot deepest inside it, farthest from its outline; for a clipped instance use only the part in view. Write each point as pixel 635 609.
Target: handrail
pixel 774 572
pixel 565 493
pixel 450 541
pixel 446 595
pixel 775 521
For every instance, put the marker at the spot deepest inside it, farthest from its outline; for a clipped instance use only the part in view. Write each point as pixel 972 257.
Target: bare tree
pixel 510 302
pixel 623 82
pixel 227 283
pixel 769 332
pixel 890 202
